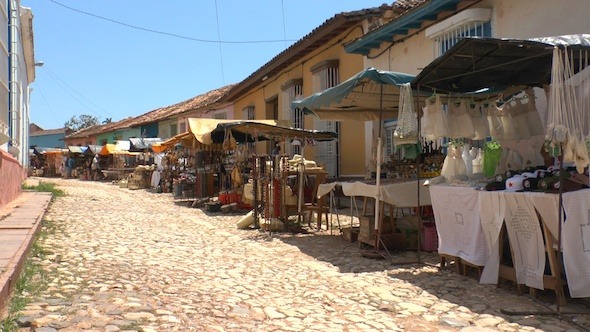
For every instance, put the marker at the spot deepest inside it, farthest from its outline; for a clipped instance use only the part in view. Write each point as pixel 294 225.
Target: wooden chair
pixel 317 206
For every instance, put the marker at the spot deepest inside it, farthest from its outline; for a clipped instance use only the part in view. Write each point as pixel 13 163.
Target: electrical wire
pixel 284 27
pixel 78 93
pixel 38 87
pixel 57 80
pixel 219 38
pixel 171 34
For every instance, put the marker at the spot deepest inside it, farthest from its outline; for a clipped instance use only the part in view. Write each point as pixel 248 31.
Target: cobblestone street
pixel 123 260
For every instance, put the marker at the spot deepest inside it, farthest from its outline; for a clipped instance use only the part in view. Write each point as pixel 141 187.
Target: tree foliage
pixel 80 122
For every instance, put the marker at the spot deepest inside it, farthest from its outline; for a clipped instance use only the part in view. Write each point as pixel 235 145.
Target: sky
pixel 120 58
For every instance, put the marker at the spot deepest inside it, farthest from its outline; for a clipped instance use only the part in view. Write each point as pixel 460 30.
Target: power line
pixel 57 80
pixel 284 28
pixel 37 86
pixel 219 38
pixel 171 34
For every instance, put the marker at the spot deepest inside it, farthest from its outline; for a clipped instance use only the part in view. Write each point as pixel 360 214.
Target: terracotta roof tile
pixel 203 102
pixel 48 132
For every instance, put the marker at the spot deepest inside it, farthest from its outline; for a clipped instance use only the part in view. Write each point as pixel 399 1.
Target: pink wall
pixel 11 178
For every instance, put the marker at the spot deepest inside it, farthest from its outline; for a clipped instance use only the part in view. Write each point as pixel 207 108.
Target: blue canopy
pixel 369 95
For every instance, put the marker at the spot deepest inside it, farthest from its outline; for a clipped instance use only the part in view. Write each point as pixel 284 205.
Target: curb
pixel 9 277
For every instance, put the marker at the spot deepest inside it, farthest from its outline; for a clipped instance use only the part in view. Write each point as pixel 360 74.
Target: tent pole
pixel 559 226
pixel 378 175
pixel 419 161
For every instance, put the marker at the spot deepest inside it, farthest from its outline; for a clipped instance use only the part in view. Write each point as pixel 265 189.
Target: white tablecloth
pixel 456 213
pixel 400 194
pixel 469 223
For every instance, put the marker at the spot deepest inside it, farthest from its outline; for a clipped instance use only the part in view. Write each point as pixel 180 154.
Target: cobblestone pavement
pixel 124 260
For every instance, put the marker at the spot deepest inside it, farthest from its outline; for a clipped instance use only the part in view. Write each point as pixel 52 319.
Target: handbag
pixel 406 131
pixel 229 142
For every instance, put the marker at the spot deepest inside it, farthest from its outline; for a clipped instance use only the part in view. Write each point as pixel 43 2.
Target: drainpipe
pixel 13 57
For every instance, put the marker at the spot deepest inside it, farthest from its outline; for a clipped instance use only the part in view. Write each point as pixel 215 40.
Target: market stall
pixel 375 95
pixel 490 81
pixel 269 183
pixel 47 161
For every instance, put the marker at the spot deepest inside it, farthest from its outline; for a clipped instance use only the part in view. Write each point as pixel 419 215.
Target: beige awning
pixel 202 128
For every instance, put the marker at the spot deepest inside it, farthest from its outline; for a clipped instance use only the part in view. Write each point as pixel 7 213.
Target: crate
pixel 411 238
pixel 429 239
pixel 350 234
pixel 394 241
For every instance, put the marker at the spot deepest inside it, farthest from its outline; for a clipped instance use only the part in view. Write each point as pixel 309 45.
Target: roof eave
pixel 400 26
pixel 304 46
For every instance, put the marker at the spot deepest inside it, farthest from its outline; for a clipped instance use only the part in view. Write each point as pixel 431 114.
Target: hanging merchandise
pixel 494 122
pixel 236 177
pixel 509 132
pixel 229 142
pixel 492 152
pixel 406 131
pixel 533 118
pixel 477 155
pixel 509 161
pixel 452 119
pixel 565 122
pixel 480 122
pixel 459 120
pixel 454 164
pixel 434 123
pixel 518 114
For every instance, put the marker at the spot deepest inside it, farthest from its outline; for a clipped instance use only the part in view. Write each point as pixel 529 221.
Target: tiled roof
pixel 317 38
pixel 204 102
pixel 406 5
pixel 48 132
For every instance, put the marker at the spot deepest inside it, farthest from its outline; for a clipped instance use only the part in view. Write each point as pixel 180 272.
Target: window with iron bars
pixel 326 75
pixel 445 41
pixel 248 114
pixel 292 90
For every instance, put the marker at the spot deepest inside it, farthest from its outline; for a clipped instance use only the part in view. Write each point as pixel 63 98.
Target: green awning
pixel 369 95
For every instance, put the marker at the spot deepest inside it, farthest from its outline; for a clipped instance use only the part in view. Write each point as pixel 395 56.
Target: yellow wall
pixel 351 147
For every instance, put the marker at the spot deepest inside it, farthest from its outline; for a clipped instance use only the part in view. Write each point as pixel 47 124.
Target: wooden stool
pixel 455 259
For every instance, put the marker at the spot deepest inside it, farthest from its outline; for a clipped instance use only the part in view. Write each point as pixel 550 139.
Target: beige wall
pixel 349 64
pixel 510 19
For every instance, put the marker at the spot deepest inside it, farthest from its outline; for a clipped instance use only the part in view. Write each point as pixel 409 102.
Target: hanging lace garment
pixel 452 119
pixel 565 120
pixel 533 118
pixel 494 123
pixel 434 121
pixel 480 122
pixel 508 124
pixel 454 164
pixel 519 118
pixel 466 128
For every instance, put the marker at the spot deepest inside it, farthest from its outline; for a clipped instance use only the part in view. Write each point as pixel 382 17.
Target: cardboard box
pixel 350 234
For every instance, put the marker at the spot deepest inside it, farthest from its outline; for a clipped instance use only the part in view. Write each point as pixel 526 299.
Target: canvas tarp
pixel 370 95
pixel 202 128
pixel 492 65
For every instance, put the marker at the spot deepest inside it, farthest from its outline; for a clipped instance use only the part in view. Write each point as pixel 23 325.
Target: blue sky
pixel 95 66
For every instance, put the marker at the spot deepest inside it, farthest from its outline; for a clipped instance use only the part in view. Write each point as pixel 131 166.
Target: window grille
pixel 327 152
pixel 290 93
pixel 248 113
pixel 445 41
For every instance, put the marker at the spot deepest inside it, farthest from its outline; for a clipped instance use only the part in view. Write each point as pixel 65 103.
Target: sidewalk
pixel 20 221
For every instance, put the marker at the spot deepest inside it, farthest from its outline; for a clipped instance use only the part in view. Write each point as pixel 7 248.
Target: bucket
pixel 246 220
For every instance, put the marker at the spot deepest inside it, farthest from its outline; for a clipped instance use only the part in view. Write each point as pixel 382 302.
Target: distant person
pixel 96 168
pixel 276 151
pixel 70 164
